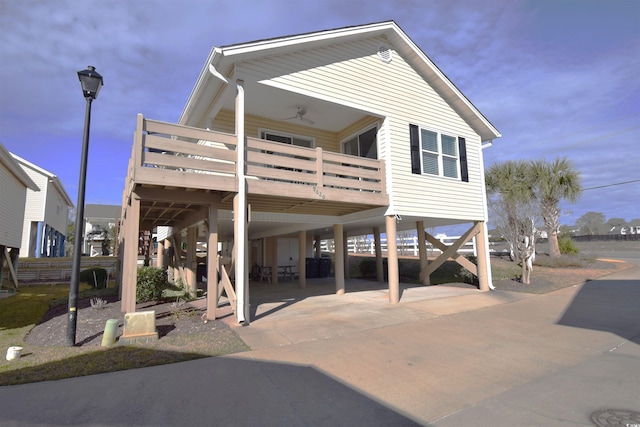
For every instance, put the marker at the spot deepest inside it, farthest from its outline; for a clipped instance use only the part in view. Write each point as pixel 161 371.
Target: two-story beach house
pixel 13 195
pixel 46 214
pixel 330 134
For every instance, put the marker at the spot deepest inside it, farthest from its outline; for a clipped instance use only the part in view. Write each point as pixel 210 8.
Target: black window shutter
pixel 414 138
pixel 462 148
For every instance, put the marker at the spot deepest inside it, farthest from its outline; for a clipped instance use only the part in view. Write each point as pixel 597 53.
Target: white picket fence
pixel 406 245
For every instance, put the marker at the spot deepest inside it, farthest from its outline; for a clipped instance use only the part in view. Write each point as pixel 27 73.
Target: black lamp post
pixel 91 83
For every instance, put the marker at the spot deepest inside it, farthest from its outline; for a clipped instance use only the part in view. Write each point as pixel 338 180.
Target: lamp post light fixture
pixel 91 83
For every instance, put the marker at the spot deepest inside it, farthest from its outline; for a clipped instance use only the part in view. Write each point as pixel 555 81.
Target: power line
pixel 611 185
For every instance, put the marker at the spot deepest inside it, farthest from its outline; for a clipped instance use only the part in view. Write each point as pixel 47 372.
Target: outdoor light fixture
pixel 91 83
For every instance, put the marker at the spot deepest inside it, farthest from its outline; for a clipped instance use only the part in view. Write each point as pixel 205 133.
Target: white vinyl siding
pixel 47 206
pixel 13 194
pixel 56 210
pixel 352 74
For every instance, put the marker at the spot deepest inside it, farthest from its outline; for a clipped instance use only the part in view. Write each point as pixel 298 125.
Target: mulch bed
pixel 171 320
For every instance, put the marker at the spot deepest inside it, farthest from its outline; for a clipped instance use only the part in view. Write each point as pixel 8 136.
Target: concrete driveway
pixel 444 356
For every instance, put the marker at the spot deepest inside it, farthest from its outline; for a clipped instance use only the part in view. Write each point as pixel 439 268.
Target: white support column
pixel 302 259
pixel 339 257
pixel 422 251
pixel 240 224
pixel 378 249
pixel 392 260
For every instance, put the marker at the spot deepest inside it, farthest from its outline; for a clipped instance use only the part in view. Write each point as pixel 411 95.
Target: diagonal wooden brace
pixel 452 251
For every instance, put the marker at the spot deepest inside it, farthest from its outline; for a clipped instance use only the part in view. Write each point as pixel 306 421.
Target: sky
pixel 557 78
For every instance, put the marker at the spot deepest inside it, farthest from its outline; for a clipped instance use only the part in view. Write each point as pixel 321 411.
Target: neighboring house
pixel 288 141
pixel 13 195
pixel 46 214
pixel 98 220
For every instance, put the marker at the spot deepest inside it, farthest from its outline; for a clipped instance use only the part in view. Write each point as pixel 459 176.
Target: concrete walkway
pixel 444 356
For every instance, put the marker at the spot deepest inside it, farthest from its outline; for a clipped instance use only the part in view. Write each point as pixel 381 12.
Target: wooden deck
pixel 175 167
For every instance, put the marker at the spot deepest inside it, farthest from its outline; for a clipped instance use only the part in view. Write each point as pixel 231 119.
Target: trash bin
pixel 312 268
pixel 324 267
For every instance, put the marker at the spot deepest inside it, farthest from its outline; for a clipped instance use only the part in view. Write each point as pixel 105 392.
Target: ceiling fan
pixel 302 110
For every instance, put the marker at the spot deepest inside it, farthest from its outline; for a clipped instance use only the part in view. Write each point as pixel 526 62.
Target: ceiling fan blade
pixel 308 121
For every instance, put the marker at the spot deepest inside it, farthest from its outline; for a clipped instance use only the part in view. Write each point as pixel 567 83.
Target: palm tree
pixel 512 184
pixel 554 182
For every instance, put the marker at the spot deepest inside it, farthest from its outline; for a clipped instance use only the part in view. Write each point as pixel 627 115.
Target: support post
pixel 274 259
pixel 392 260
pixel 318 248
pixel 422 251
pixel 241 241
pixel 130 255
pixel 192 262
pixel 160 254
pixel 302 260
pixel 345 242
pixel 338 236
pixel 484 264
pixel 378 249
pixel 212 263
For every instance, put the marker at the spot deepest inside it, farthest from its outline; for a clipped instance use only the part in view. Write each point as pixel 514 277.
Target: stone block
pixel 139 328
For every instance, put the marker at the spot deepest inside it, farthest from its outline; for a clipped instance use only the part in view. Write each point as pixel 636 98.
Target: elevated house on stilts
pixel 315 136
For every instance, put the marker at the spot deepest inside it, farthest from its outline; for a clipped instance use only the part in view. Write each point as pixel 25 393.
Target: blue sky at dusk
pixel 556 77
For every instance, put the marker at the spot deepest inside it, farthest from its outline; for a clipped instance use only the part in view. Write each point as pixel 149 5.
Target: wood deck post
pixel 130 256
pixel 317 248
pixel 345 240
pixel 160 254
pixel 192 261
pixel 422 251
pixel 392 260
pixel 338 237
pixel 274 259
pixel 212 262
pixel 302 259
pixel 378 249
pixel 484 265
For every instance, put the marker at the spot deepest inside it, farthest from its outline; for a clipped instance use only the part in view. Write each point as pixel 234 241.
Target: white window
pixel 287 138
pixel 363 144
pixel 439 154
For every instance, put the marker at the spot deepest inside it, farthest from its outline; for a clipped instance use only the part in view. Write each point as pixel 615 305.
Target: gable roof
pixel 224 58
pixel 14 168
pixel 52 178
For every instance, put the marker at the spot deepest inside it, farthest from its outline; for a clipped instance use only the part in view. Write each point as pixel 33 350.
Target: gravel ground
pixel 171 321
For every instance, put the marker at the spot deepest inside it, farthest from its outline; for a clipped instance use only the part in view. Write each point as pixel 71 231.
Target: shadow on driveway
pixel 217 391
pixel 606 305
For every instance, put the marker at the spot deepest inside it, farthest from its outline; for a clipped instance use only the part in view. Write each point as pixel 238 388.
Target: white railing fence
pixel 407 245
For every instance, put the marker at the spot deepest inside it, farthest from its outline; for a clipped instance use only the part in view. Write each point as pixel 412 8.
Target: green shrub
pixel 368 267
pixel 151 282
pixel 95 277
pixel 566 246
pixel 464 275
